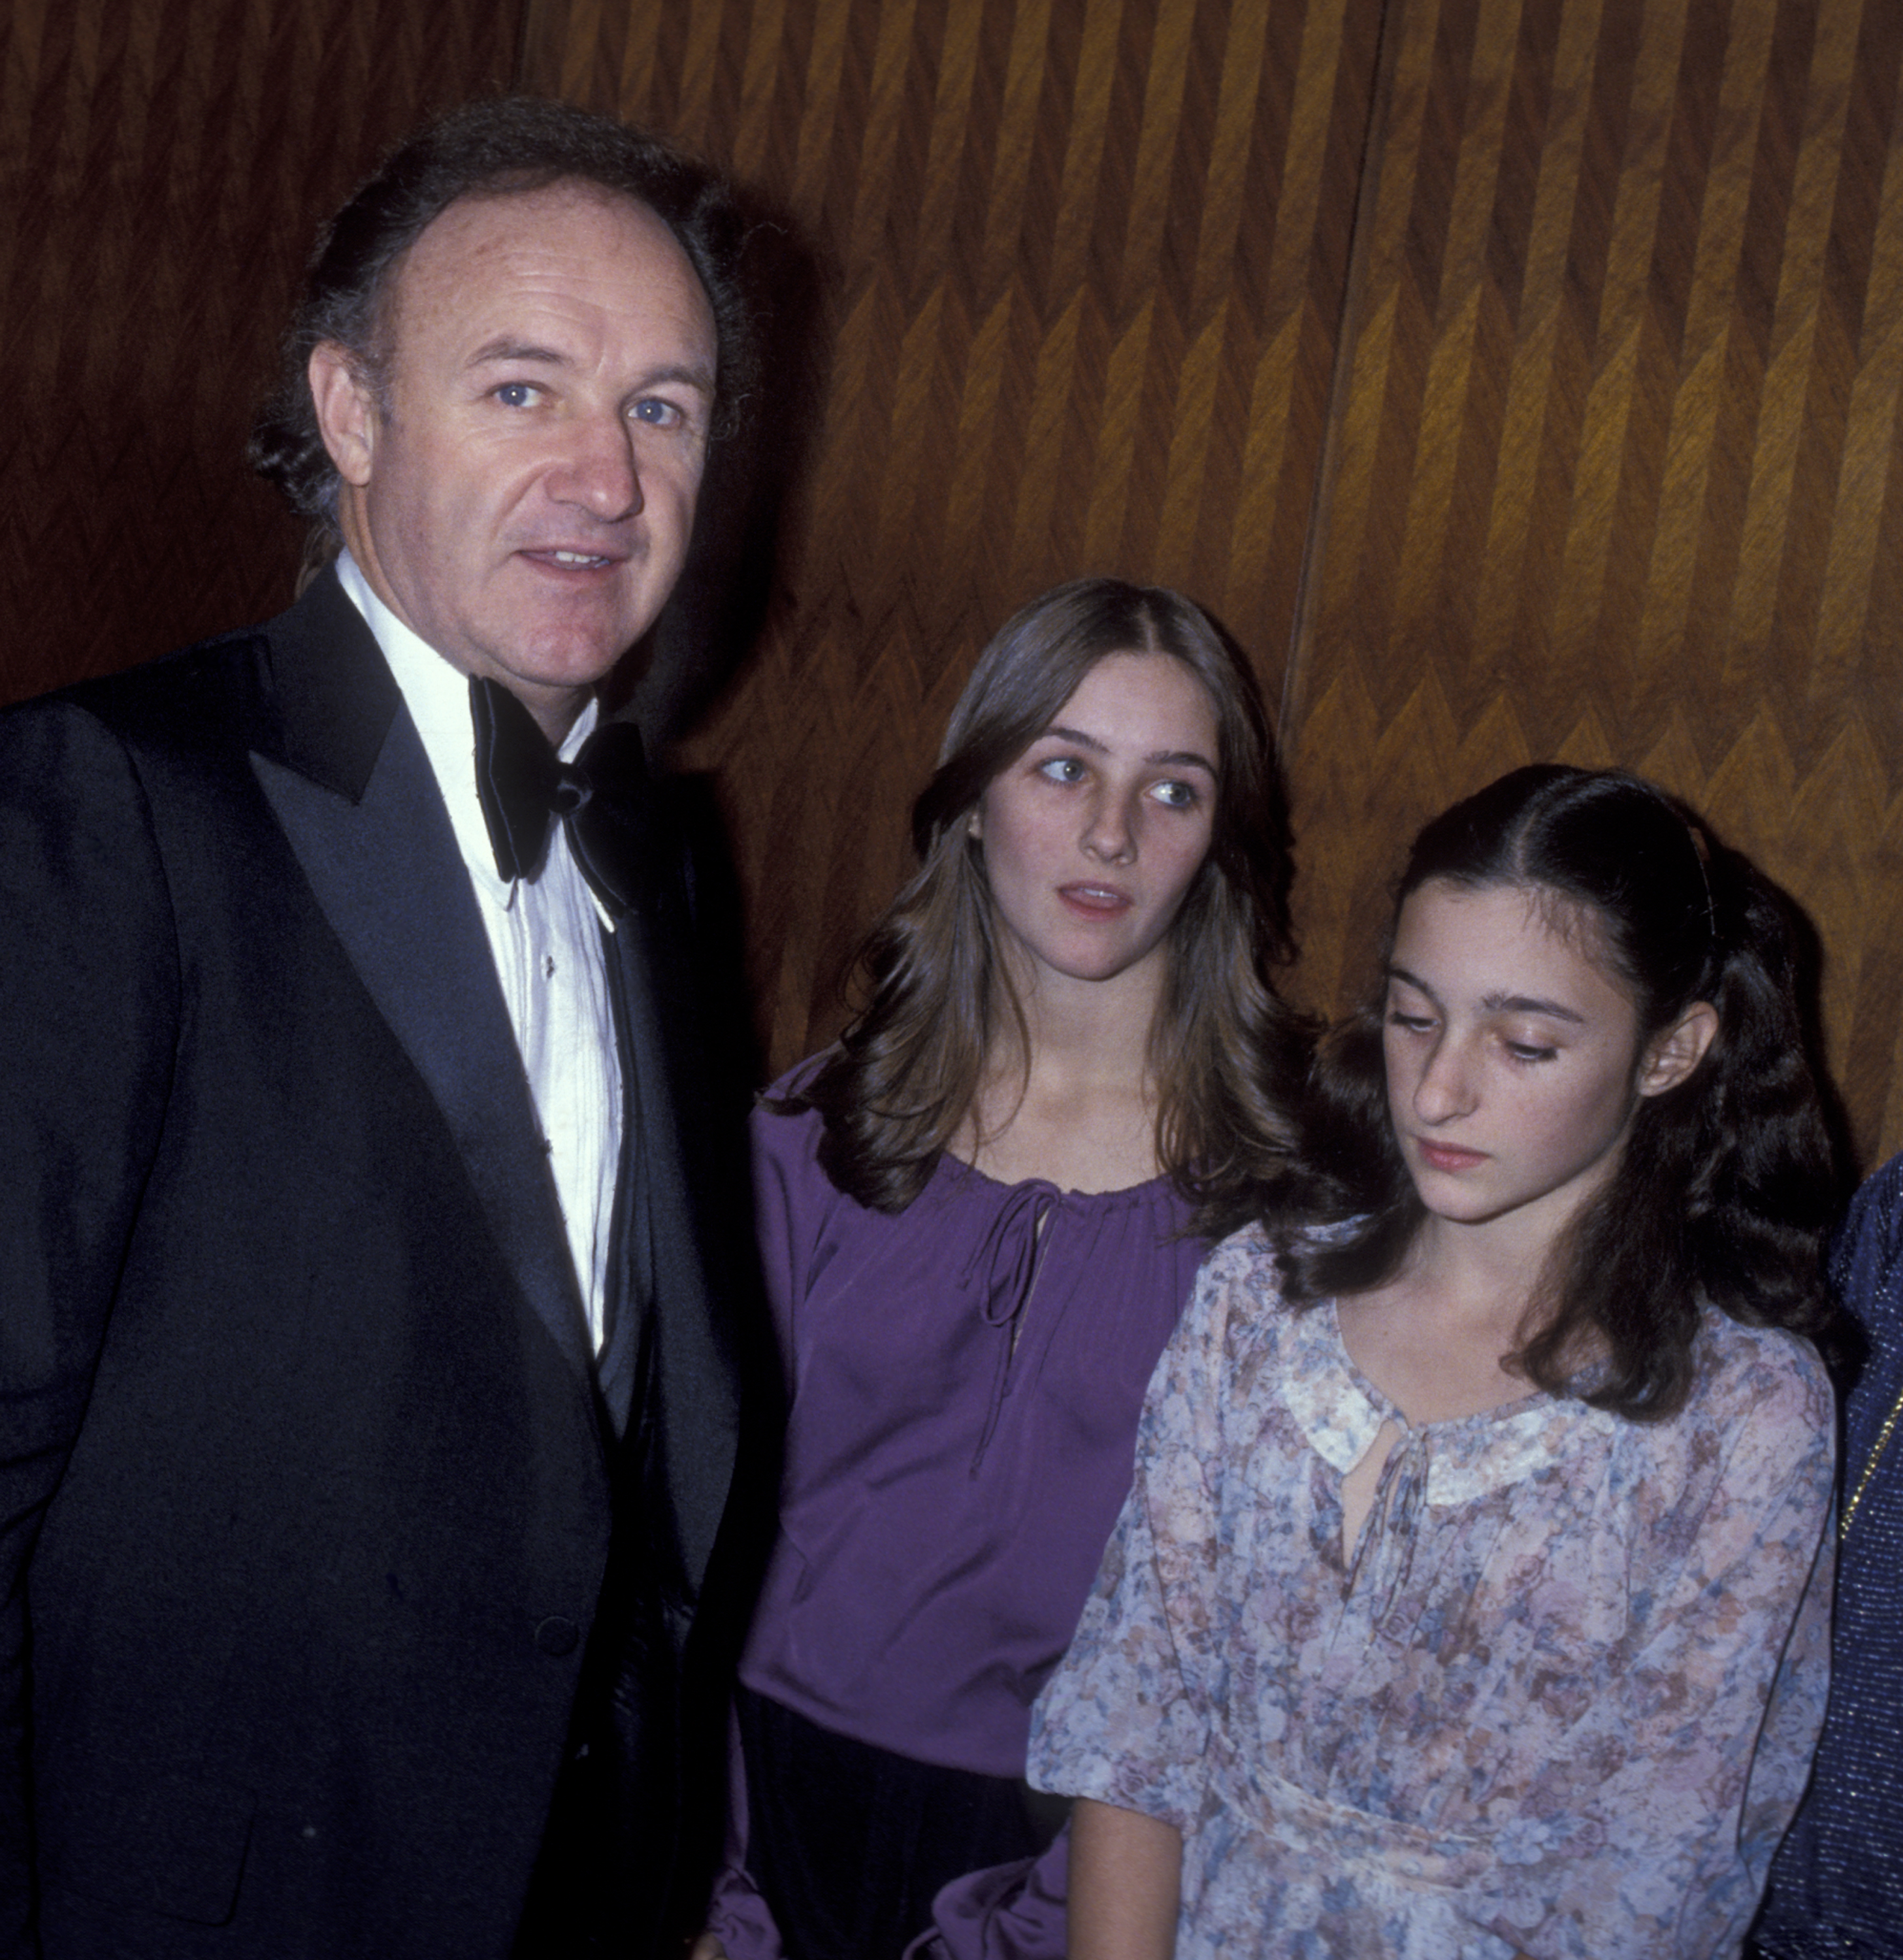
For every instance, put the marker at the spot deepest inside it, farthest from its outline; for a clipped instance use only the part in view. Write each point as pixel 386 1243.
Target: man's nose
pixel 598 472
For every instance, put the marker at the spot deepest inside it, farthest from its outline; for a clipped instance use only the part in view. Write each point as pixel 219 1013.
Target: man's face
pixel 523 500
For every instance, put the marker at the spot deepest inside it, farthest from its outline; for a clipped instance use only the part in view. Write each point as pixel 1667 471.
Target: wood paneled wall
pixel 1612 476
pixel 1080 266
pixel 164 165
pixel 1515 378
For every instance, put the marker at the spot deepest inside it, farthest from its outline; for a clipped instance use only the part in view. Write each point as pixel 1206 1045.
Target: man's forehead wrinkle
pixel 509 347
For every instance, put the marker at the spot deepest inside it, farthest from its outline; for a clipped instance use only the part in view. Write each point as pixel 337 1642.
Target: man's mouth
pixel 572 560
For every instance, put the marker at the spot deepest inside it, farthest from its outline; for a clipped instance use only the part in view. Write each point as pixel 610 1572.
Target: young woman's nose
pixel 1445 1088
pixel 1109 832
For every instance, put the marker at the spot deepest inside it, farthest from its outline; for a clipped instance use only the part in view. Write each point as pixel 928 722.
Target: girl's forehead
pixel 1508 939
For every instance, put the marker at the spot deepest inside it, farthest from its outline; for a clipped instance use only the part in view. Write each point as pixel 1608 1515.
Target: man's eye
pixel 656 413
pixel 516 394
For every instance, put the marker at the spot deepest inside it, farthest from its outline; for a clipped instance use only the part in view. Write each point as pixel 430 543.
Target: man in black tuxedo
pixel 367 1396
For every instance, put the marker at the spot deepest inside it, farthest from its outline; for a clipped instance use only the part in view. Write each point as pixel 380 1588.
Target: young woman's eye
pixel 1530 1051
pixel 1174 795
pixel 1061 769
pixel 1413 1024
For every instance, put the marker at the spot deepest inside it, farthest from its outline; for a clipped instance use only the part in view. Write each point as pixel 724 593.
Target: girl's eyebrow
pixel 1527 1004
pixel 1175 759
pixel 1407 979
pixel 1494 1003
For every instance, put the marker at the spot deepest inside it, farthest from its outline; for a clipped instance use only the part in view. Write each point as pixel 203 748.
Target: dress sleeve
pixel 789 1188
pixel 1126 1718
pixel 1649 1826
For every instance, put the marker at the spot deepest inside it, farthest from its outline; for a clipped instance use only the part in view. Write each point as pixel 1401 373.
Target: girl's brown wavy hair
pixel 1227 1055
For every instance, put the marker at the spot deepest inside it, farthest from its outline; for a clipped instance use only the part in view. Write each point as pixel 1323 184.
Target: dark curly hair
pixel 495 148
pixel 1228 1054
pixel 1727 1187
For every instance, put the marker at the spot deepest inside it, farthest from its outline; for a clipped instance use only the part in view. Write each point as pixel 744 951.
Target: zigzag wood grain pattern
pixel 165 163
pixel 1082 266
pixel 1613 473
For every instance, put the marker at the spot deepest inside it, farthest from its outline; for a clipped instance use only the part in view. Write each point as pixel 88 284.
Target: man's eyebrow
pixel 517 350
pixel 505 349
pixel 1180 758
pixel 699 377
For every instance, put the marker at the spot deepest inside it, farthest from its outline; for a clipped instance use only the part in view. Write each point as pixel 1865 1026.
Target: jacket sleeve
pixel 89 994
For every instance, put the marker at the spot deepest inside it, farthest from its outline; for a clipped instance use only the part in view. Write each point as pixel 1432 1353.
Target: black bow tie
pixel 522 785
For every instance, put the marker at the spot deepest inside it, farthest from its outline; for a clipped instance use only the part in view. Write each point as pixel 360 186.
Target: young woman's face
pixel 1092 836
pixel 1512 1062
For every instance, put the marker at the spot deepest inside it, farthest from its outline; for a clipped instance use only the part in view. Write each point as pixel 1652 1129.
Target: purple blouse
pixel 964 1383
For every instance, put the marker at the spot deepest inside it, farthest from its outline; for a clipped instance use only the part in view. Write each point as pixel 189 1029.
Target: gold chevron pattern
pixel 1613 475
pixel 165 164
pixel 1515 378
pixel 1082 267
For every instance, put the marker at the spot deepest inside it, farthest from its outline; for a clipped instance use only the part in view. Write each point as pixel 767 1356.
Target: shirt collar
pixel 436 694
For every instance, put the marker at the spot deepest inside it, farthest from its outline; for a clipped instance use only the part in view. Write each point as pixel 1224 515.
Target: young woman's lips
pixel 1095 902
pixel 1448 1157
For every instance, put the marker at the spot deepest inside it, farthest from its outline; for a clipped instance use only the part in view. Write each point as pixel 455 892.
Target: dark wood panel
pixel 163 164
pixel 1613 477
pixel 1080 269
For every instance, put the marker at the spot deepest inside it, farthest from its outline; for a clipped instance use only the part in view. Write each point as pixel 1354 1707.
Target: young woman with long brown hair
pixel 981 1214
pixel 1472 1597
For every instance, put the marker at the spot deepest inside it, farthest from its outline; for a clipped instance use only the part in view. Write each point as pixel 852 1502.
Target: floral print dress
pixel 1559 1699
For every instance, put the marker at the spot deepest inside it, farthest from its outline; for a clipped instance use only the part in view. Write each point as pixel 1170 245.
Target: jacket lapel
pixel 689 1419
pixel 350 783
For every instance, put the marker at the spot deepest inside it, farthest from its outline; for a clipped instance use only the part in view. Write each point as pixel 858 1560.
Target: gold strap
pixel 1870 1468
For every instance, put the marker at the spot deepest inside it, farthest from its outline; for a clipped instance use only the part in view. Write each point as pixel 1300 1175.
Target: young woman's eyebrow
pixel 1407 979
pixel 1175 759
pixel 1494 1003
pixel 1527 1004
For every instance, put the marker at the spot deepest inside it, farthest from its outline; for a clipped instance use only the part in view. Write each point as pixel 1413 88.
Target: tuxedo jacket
pixel 313 1513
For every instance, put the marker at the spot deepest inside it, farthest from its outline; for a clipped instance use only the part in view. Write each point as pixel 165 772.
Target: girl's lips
pixel 1095 902
pixel 1449 1156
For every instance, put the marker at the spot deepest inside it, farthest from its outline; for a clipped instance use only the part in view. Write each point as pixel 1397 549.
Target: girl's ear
pixel 1673 1054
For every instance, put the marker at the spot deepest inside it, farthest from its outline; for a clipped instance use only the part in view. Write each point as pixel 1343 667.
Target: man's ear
pixel 1671 1056
pixel 346 410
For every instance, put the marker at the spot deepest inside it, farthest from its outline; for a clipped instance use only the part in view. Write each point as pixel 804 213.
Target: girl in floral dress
pixel 1471 1598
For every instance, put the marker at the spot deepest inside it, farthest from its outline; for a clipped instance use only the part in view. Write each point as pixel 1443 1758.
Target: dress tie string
pixel 1003 1270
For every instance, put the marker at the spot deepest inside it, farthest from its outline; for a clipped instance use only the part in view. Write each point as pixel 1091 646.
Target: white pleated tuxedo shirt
pixel 545 935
